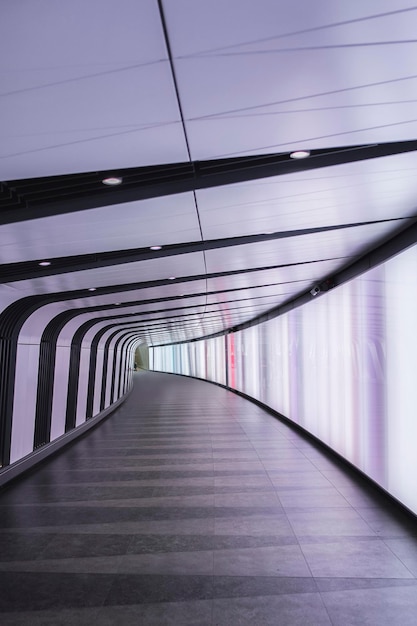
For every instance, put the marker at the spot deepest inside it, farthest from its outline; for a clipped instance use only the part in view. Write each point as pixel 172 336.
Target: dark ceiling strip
pixel 139 314
pixel 115 289
pixel 212 316
pixel 157 181
pixel 25 270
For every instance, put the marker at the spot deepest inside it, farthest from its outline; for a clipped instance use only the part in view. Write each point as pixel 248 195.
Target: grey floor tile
pixel 76 546
pixel 238 466
pixel 91 565
pixel 155 502
pixel 231 455
pixel 340 478
pixel 389 523
pixel 322 521
pixel 249 586
pixel 327 498
pixel 194 613
pixel 280 453
pixel 254 525
pixel 153 544
pixel 35 591
pixel 353 583
pixel 266 498
pixel 289 465
pixel 298 480
pixel 291 610
pixel 62 617
pixel 260 480
pixel 374 607
pixel 362 559
pixel 285 561
pixel 23 545
pixel 170 527
pixel 187 563
pixel 405 548
pixel 149 589
pixel 360 498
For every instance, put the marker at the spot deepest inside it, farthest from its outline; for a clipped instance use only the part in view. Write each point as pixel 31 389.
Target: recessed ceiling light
pixel 112 180
pixel 45 263
pixel 155 248
pixel 172 278
pixel 300 154
pixel 92 289
pixel 117 304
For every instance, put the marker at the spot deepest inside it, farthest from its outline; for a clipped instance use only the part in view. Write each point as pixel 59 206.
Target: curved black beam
pixel 105 369
pixel 42 197
pixel 46 375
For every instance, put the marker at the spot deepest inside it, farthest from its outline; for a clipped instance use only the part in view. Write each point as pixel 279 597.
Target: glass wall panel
pixel 342 366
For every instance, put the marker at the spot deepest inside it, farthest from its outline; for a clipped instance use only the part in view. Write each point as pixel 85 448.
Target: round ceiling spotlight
pixel 45 263
pixel 155 248
pixel 112 181
pixel 92 289
pixel 172 278
pixel 300 154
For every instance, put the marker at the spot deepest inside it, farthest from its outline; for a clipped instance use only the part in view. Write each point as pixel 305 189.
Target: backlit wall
pixel 343 366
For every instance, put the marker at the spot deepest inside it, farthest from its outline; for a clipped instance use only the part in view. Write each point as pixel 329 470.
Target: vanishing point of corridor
pixel 193 506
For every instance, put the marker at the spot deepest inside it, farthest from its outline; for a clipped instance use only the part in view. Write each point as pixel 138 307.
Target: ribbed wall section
pixel 54 370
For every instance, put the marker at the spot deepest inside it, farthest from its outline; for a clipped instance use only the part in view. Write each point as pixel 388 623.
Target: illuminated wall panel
pixel 343 367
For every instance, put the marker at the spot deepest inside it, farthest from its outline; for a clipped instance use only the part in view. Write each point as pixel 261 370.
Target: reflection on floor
pixel 191 505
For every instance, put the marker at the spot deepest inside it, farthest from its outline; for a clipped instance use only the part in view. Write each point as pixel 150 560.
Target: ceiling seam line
pixel 187 143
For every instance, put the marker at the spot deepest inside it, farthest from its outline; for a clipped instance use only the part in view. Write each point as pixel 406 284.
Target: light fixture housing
pixel 316 290
pixel 300 154
pixel 112 181
pixel 155 248
pixel 44 263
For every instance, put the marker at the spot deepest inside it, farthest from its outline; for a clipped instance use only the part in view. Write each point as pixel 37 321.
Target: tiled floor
pixel 191 505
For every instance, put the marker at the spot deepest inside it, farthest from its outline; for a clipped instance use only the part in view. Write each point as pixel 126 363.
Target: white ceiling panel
pixel 158 221
pixel 244 24
pixel 267 89
pixel 302 249
pixel 259 284
pixel 159 269
pixel 376 189
pixel 85 86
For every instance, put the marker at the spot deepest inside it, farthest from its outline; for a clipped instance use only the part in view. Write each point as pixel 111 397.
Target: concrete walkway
pixel 191 505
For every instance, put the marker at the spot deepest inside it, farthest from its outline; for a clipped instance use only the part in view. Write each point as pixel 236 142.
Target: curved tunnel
pixel 193 228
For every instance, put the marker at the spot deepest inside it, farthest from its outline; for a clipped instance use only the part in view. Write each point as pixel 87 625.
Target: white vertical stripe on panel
pixel 117 371
pixel 24 408
pixel 108 376
pixel 59 402
pixel 82 385
pixel 98 381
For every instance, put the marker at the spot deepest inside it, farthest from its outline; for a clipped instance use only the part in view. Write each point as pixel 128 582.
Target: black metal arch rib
pixel 42 197
pixel 25 270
